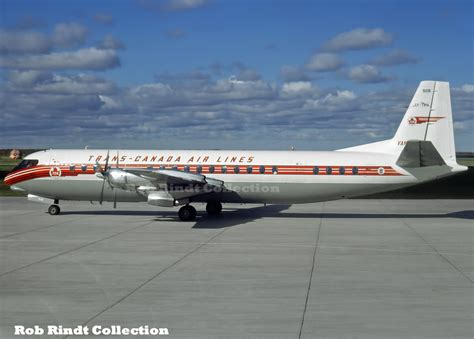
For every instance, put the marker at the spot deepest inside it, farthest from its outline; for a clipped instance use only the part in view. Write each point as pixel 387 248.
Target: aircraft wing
pixel 175 178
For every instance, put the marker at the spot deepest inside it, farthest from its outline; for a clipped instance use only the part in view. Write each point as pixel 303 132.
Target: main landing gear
pixel 54 209
pixel 213 207
pixel 188 212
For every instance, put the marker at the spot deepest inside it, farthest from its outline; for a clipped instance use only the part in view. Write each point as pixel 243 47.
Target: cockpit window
pixel 27 163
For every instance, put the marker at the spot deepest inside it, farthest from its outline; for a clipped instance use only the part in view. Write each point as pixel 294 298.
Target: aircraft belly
pixel 300 192
pixel 297 189
pixel 76 189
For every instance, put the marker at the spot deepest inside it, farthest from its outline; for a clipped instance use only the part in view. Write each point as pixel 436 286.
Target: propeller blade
pixel 107 161
pixel 102 192
pixel 115 198
pixel 117 159
pixel 102 173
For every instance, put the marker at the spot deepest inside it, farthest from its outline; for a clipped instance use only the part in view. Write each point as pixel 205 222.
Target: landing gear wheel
pixel 187 213
pixel 213 207
pixel 54 210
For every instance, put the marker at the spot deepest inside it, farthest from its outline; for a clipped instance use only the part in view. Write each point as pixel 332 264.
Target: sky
pixel 215 74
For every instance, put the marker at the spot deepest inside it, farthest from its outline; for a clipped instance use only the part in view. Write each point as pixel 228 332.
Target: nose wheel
pixel 187 213
pixel 54 210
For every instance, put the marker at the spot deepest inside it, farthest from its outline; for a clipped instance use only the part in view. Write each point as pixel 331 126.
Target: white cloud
pixel 340 100
pixel 150 90
pixel 467 88
pixel 109 42
pixel 395 57
pixel 250 114
pixel 324 62
pixel 248 75
pixel 183 5
pixel 109 102
pixel 31 42
pixel 294 73
pixel 78 85
pixel 297 86
pixel 86 58
pixel 28 78
pixel 171 5
pixel 460 125
pixel 367 74
pixel 22 42
pixel 50 83
pixel 69 34
pixel 360 38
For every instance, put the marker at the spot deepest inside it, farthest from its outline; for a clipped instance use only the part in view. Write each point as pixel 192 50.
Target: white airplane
pixel 421 150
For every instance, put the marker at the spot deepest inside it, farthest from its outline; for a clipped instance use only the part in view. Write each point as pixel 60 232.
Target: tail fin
pixel 429 118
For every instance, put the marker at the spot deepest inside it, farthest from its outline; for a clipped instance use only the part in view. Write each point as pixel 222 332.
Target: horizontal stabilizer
pixel 419 154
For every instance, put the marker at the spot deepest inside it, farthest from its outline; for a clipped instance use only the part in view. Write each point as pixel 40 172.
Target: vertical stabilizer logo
pixel 422 120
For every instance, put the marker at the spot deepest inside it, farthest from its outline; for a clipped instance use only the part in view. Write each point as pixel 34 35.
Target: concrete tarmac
pixel 341 269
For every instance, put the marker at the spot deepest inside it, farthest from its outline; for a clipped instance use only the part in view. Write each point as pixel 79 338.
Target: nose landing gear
pixel 54 210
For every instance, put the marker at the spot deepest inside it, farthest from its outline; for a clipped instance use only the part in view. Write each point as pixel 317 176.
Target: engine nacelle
pixel 124 180
pixel 161 198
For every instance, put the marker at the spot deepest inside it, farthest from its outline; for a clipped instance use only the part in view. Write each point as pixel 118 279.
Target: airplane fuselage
pixel 248 176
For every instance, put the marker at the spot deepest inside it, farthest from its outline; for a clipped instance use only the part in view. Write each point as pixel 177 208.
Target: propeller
pixel 115 191
pixel 105 175
pixel 102 174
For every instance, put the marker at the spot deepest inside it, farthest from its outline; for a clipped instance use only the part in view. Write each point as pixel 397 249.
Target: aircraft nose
pixel 7 180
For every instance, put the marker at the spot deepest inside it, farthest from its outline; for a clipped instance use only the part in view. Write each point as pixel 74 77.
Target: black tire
pixel 213 207
pixel 54 210
pixel 187 213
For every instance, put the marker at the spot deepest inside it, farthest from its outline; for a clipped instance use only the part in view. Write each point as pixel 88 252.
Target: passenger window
pixel 149 168
pixel 274 170
pixel 315 170
pixel 162 167
pixel 249 169
pixel 84 168
pixel 329 170
pixel 262 169
pixel 72 168
pixel 236 169
pixel 355 170
pixel 342 170
pixel 186 168
pixel 211 169
pixel 199 169
pixel 174 167
pixel 224 169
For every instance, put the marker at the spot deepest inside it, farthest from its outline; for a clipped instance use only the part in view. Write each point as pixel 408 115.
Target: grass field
pixel 6 165
pixel 466 161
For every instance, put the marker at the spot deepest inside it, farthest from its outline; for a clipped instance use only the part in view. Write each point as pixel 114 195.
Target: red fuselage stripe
pixel 42 171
